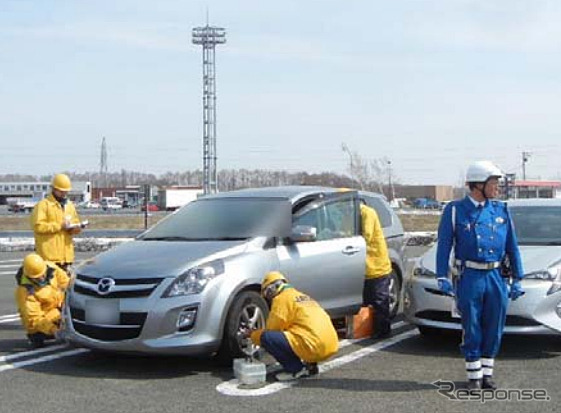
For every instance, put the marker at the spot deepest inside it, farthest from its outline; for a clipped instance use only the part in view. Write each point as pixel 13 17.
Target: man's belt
pixel 478 265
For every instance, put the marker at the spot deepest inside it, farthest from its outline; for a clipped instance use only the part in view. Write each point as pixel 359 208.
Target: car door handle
pixel 349 250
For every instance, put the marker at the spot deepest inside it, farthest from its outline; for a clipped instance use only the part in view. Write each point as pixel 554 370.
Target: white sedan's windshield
pixel 537 225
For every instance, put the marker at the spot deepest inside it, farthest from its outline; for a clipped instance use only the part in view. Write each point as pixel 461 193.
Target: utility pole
pixel 525 157
pixel 208 37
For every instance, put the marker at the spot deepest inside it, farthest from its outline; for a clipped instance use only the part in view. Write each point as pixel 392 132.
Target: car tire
pixel 247 306
pixel 395 293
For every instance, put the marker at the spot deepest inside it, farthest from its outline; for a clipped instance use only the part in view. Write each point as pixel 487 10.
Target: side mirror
pixel 303 233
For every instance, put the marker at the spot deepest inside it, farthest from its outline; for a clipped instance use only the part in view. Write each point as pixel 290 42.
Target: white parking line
pixel 19 364
pixel 10 265
pixel 11 260
pixel 22 354
pixel 8 273
pixel 230 388
pixel 9 320
pixel 3 317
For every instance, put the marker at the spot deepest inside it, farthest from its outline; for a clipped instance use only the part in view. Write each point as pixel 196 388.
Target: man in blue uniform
pixel 481 234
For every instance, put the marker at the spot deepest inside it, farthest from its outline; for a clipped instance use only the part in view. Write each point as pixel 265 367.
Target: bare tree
pixel 369 174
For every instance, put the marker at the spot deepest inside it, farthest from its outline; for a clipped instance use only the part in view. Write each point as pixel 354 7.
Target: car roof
pixel 534 202
pixel 291 192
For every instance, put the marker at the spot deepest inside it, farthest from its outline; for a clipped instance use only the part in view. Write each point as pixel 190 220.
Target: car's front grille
pixel 122 288
pixel 445 317
pixel 129 327
pixel 104 333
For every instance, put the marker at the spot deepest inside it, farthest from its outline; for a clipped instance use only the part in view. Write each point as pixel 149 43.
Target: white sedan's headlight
pixel 423 272
pixel 556 285
pixel 551 274
pixel 546 275
pixel 194 280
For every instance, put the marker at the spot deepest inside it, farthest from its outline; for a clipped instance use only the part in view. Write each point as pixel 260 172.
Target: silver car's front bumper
pixel 424 305
pixel 145 325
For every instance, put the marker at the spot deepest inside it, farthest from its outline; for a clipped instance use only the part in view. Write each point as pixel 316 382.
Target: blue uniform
pixel 483 234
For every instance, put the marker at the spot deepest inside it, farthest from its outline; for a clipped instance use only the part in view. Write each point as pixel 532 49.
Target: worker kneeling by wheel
pixel 39 297
pixel 298 332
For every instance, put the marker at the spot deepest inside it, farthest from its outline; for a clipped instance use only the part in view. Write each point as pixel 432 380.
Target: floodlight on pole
pixel 525 157
pixel 209 37
pixel 391 191
pixel 346 149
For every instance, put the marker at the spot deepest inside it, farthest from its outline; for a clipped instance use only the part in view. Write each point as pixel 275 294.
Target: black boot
pixel 474 384
pixel 487 383
pixel 313 368
pixel 382 330
pixel 37 340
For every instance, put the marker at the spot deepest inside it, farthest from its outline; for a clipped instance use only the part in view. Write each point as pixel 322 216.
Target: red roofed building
pixel 536 189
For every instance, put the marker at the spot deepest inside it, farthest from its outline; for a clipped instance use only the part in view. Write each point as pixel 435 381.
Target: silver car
pixel 538 228
pixel 188 284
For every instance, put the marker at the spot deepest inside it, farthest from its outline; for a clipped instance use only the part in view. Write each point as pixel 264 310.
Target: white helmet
pixel 480 171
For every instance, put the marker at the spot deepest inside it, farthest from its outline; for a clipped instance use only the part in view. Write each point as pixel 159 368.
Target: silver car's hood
pixel 534 257
pixel 148 259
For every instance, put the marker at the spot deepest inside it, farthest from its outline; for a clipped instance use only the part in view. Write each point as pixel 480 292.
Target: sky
pixel 430 85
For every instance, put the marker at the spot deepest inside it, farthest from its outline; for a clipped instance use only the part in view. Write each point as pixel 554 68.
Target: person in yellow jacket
pixel 298 332
pixel 39 298
pixel 54 222
pixel 376 290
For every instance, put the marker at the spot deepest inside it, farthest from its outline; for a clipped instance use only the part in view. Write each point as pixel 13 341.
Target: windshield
pixel 537 225
pixel 225 219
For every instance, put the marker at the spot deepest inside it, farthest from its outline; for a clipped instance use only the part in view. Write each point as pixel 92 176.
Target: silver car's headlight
pixel 194 280
pixel 423 272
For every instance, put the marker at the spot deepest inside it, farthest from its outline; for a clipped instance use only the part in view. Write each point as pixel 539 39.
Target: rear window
pixel 383 212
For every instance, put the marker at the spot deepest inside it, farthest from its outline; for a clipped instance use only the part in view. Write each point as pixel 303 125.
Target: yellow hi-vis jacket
pixel 52 242
pixel 305 324
pixel 39 307
pixel 378 262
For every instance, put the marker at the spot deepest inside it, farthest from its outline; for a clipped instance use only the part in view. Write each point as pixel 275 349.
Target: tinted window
pixel 537 225
pixel 383 212
pixel 226 218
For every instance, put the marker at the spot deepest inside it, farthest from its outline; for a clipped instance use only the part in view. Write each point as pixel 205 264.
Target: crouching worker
pixel 298 332
pixel 39 297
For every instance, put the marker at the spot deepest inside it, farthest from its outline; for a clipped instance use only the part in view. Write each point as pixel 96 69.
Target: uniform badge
pixel 500 220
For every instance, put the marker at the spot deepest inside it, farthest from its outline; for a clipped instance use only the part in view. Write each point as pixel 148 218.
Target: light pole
pixel 208 37
pixel 525 157
pixel 390 183
pixel 346 149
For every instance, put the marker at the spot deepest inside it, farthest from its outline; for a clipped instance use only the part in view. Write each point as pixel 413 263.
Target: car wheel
pixel 249 309
pixel 395 293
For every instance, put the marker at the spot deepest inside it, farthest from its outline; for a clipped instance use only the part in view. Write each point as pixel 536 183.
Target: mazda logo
pixel 105 285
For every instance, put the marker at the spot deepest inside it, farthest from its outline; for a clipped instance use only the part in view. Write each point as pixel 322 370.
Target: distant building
pixel 437 192
pixel 131 194
pixel 81 191
pixel 535 189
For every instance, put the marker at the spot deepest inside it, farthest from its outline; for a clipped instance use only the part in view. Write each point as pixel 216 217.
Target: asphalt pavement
pixel 391 375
